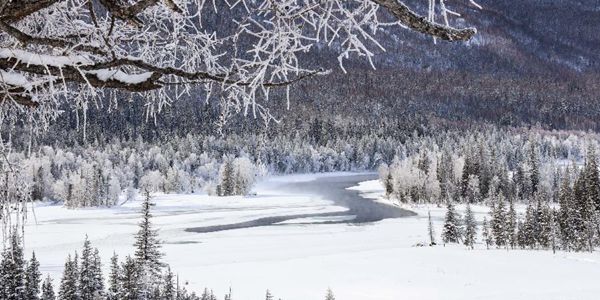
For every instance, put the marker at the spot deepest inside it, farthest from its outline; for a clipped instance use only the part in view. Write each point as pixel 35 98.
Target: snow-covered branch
pixel 54 51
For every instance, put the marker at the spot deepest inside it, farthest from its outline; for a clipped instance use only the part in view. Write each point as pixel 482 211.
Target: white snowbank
pixel 299 262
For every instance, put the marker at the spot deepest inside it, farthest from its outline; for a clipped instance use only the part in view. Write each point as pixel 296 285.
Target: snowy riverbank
pixel 299 261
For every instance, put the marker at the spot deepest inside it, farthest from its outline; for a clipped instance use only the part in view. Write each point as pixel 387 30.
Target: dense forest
pixel 554 174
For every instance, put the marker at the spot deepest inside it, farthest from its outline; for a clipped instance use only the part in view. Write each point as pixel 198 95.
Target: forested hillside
pixel 523 68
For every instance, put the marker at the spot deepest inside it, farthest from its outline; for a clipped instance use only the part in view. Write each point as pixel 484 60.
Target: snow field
pixel 299 262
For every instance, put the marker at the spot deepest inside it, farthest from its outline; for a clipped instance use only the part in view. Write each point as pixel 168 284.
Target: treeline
pixel 101 174
pixel 572 225
pixel 446 164
pixel 476 166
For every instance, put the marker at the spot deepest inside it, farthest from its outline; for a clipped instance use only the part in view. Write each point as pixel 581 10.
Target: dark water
pixel 329 188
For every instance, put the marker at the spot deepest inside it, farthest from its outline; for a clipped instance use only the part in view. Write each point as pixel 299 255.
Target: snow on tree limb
pixel 160 48
pixel 422 25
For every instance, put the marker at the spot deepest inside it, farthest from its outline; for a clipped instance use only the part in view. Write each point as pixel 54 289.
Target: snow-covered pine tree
pixel 208 295
pixel 97 276
pixel 580 213
pixel 553 231
pixel 470 228
pixel 511 225
pixel 487 236
pixel 498 222
pixel 452 225
pixel 48 289
pixel 430 230
pixel 473 194
pixel 534 175
pixel 464 181
pixel 228 296
pixel 545 224
pixel 68 289
pixel 226 178
pixel 445 174
pixel 389 185
pixel 33 277
pixel 329 295
pixel 168 286
pixel 12 268
pixel 130 281
pixel 147 251
pixel 528 232
pixel 592 179
pixel 268 295
pixel 114 286
pixel 183 294
pixel 521 240
pixel 147 245
pixel 566 212
pixel 592 199
pixel 88 281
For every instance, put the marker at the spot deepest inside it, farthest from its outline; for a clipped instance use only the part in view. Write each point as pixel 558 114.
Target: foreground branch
pixel 422 25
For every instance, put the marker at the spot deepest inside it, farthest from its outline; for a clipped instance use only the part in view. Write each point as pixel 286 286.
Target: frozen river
pixel 335 189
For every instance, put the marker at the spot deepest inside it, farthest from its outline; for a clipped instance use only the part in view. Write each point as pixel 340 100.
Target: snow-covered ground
pixel 299 262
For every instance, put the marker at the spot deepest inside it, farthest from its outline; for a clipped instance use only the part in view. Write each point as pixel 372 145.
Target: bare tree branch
pixel 18 10
pixel 422 25
pixel 51 50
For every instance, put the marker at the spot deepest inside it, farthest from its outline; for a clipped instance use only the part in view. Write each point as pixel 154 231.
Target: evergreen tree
pixel 268 296
pixel 48 289
pixel 168 286
pixel 498 222
pixel 227 185
pixel 97 277
pixel 521 240
pixel 511 226
pixel 487 236
pixel 114 287
pixel 592 180
pixel 566 213
pixel 590 204
pixel 329 295
pixel 445 174
pixel 545 224
pixel 130 280
pixel 13 281
pixel 473 194
pixel 470 228
pixel 554 230
pixel 580 214
pixel 452 227
pixel 389 186
pixel 528 232
pixel 534 177
pixel 33 278
pixel 228 296
pixel 68 289
pixel 208 295
pixel 89 284
pixel 147 245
